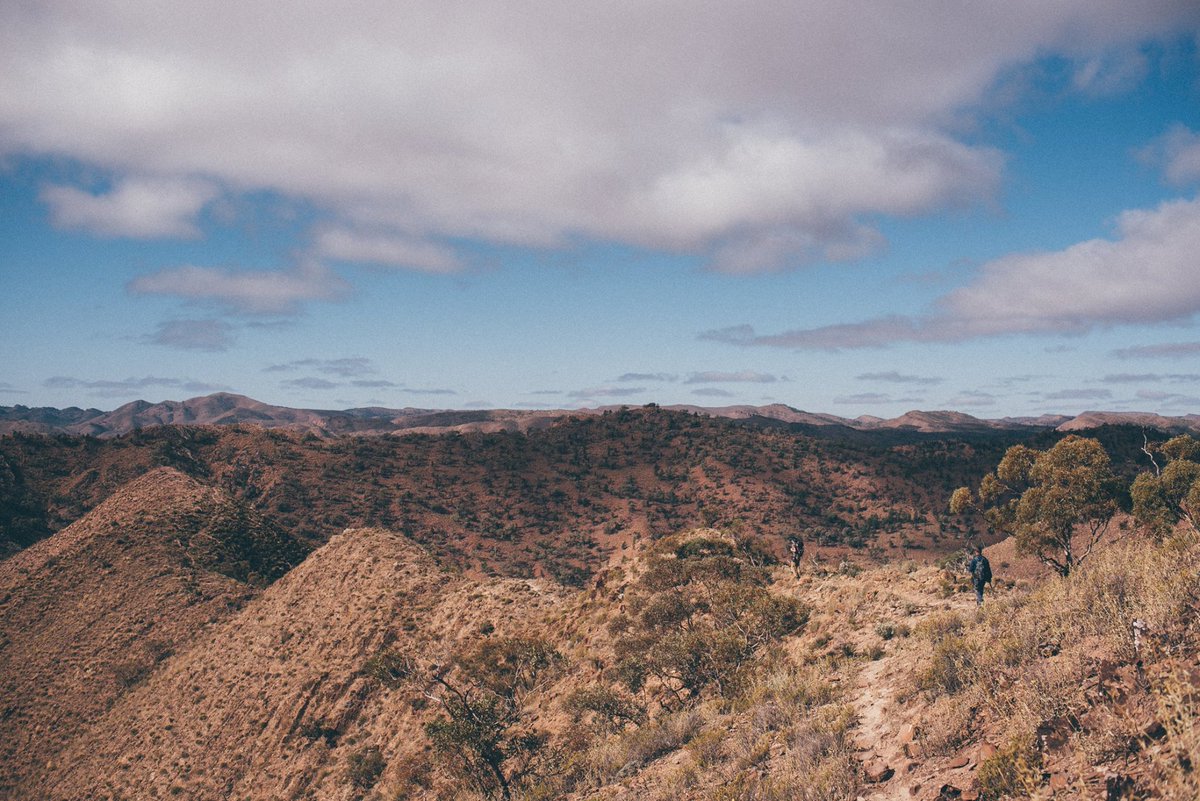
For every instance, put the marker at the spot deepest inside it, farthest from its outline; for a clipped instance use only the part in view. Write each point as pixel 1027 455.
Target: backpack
pixel 981 571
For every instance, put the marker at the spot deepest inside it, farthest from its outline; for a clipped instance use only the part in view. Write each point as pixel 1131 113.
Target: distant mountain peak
pixel 228 408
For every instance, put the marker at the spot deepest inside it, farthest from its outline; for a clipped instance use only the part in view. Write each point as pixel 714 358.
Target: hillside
pixel 558 501
pixel 588 611
pixel 881 683
pixel 270 703
pixel 86 614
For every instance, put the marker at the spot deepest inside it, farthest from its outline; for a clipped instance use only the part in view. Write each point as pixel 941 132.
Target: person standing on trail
pixel 796 552
pixel 981 573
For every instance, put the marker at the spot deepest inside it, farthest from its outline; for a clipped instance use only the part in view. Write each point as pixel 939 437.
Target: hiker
pixel 796 550
pixel 981 573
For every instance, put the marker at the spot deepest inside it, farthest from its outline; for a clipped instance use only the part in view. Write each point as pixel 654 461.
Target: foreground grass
pixel 1084 665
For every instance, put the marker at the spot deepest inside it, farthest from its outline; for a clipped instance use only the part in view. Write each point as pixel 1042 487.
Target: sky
pixel 851 207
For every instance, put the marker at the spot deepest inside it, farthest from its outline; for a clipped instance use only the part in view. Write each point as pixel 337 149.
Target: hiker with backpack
pixel 981 573
pixel 796 552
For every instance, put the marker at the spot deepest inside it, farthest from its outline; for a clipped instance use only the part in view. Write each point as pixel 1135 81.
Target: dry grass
pixel 624 754
pixel 1027 659
pixel 818 765
pixel 1178 702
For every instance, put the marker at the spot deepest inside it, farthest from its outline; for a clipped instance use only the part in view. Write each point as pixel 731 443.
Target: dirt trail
pixel 886 725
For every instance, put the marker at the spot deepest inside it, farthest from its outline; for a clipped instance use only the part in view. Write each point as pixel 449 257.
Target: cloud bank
pixel 760 134
pixel 1146 274
pixel 268 292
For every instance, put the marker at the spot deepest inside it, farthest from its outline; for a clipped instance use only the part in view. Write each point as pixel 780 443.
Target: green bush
pixel 698 623
pixel 612 709
pixel 482 732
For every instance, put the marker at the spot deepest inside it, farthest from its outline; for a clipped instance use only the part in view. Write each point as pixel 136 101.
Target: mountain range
pixel 229 409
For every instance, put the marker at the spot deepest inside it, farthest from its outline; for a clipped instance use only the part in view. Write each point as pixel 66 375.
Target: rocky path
pixel 892 762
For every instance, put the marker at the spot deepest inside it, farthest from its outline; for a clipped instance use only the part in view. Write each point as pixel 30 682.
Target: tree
pixel 1056 504
pixel 701 613
pixel 483 732
pixel 1165 497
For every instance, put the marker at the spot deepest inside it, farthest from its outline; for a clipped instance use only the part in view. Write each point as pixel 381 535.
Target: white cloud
pixel 895 377
pixel 1141 378
pixel 208 335
pixel 742 377
pixel 1109 73
pixel 592 393
pixel 760 133
pixel 1166 350
pixel 128 386
pixel 1078 394
pixel 309 382
pixel 1147 274
pixel 142 208
pixel 347 367
pixel 392 250
pixel 251 292
pixel 643 377
pixel 1177 153
pixel 872 398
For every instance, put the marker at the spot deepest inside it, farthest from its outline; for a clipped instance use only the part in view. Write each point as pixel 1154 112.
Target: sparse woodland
pixel 596 611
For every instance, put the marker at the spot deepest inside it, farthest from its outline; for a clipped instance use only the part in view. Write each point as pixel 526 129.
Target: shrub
pixel 700 615
pixel 612 709
pixel 946 670
pixel 482 732
pixel 389 667
pixel 1014 770
pixel 364 766
pixel 630 751
pixel 130 672
pixel 819 766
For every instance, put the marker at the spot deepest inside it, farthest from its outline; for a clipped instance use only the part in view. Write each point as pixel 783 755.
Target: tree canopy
pixel 1171 494
pixel 1056 504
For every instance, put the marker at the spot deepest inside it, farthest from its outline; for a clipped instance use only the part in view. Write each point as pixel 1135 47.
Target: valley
pixel 591 610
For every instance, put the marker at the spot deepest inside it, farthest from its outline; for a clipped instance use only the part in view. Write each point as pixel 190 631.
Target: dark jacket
pixel 980 569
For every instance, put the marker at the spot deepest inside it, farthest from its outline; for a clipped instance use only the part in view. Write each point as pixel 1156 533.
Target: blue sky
pixel 848 208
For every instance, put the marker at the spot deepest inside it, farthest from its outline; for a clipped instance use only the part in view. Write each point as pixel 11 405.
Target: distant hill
pixel 1189 423
pixel 560 498
pixel 225 408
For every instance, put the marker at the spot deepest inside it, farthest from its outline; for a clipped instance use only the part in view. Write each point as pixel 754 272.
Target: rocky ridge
pixel 87 613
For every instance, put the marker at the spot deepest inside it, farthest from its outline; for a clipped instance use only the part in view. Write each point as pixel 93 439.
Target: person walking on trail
pixel 796 552
pixel 981 573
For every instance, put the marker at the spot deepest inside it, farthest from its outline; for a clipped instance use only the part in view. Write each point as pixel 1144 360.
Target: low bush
pixel 626 753
pixel 389 667
pixel 364 767
pixel 609 708
pixel 1013 771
